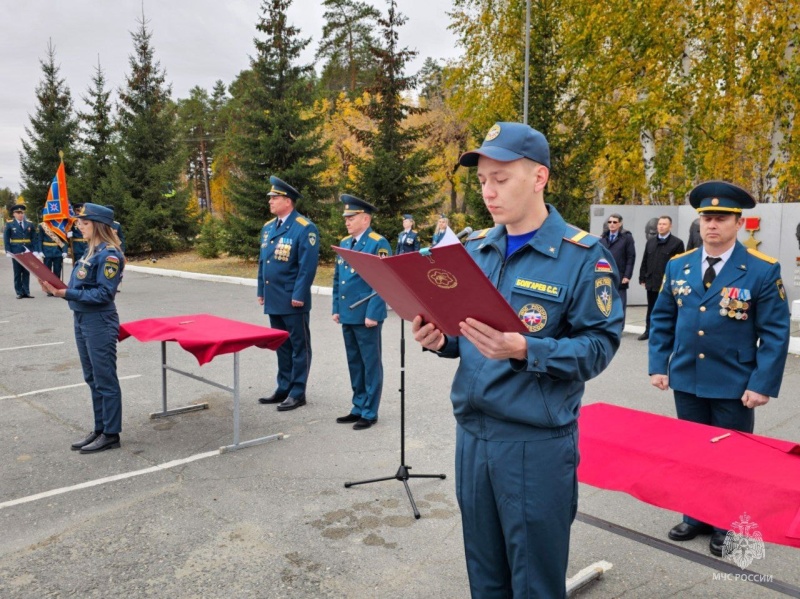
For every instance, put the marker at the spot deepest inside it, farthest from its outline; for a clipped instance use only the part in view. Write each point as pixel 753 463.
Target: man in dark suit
pixel 19 236
pixel 361 325
pixel 658 251
pixel 287 265
pixel 620 243
pixel 720 328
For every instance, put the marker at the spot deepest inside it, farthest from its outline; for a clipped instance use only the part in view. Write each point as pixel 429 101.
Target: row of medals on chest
pixel 734 303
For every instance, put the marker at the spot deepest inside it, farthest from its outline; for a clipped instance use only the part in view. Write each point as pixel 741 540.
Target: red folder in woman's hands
pixel 37 268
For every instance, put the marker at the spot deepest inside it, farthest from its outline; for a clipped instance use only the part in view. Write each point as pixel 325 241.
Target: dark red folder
pixel 37 268
pixel 445 286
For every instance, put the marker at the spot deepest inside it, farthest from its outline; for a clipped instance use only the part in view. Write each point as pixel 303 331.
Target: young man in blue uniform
pixel 287 265
pixel 408 240
pixel 19 236
pixel 50 248
pixel 516 397
pixel 361 325
pixel 719 331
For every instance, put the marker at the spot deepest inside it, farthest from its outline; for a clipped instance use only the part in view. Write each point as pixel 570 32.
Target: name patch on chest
pixel 542 288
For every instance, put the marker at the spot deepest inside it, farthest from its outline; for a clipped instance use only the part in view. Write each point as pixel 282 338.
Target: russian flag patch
pixel 603 266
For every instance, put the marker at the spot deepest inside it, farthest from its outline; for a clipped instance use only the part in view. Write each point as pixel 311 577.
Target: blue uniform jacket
pixel 79 244
pixel 287 264
pixel 93 284
pixel 118 228
pixel 19 236
pixel 45 244
pixel 709 354
pixel 407 242
pixel 563 285
pixel 349 287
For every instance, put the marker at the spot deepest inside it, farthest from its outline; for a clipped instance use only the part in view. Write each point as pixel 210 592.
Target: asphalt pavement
pixel 167 515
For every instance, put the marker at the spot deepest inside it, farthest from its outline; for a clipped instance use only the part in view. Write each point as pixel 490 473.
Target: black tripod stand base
pixel 402 475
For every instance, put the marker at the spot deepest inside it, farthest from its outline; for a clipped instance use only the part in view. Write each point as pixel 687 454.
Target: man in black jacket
pixel 658 251
pixel 620 243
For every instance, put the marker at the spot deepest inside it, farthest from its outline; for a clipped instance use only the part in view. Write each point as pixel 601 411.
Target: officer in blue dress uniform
pixel 516 397
pixel 77 242
pixel 719 330
pixel 408 239
pixel 90 293
pixel 361 325
pixel 118 230
pixel 19 236
pixel 287 265
pixel 50 248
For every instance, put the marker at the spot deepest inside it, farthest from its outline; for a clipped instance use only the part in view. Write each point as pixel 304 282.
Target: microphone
pixel 465 232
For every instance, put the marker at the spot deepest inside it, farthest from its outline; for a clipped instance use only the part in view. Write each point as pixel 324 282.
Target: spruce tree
pixel 144 185
pixel 346 42
pixel 392 176
pixel 274 131
pixel 94 162
pixel 53 128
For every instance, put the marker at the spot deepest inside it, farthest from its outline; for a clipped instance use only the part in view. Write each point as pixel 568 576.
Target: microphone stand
pixel 402 473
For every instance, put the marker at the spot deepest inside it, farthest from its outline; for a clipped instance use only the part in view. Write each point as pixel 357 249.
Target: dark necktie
pixel 613 238
pixel 278 224
pixel 710 274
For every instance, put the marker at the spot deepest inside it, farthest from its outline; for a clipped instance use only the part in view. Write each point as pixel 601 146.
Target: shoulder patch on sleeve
pixel 478 234
pixel 762 256
pixel 580 237
pixel 302 221
pixel 375 236
pixel 684 254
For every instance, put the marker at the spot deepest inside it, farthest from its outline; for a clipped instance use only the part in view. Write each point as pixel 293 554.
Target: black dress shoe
pixel 274 398
pixel 28 295
pixel 290 403
pixel 84 442
pixel 20 297
pixel 686 532
pixel 717 543
pixel 348 418
pixel 363 423
pixel 102 443
pixel 644 336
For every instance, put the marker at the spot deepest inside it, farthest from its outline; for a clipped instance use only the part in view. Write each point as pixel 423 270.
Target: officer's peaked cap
pixel 408 217
pixel 16 207
pixel 720 197
pixel 354 205
pixel 506 142
pixel 97 213
pixel 281 188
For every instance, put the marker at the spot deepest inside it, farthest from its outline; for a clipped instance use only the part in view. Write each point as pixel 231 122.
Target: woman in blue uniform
pixel 90 294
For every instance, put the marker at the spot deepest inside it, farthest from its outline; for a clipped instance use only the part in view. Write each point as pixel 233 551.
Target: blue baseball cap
pixel 720 197
pixel 281 188
pixel 506 142
pixel 354 205
pixel 97 213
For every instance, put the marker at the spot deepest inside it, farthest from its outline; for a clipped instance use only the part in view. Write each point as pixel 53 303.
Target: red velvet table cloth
pixel 674 464
pixel 204 335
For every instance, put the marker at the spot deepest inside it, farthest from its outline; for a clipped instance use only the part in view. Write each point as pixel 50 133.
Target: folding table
pixel 205 336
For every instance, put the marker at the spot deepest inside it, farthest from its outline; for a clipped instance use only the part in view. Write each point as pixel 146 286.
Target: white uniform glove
pixel 69 234
pixel 8 254
pixel 39 255
pixel 64 256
